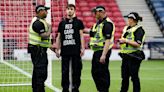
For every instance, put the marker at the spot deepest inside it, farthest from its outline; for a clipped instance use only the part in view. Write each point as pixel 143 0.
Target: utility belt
pixel 96 47
pixel 32 48
pixel 137 55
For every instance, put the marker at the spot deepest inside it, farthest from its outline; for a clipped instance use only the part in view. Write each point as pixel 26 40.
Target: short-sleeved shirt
pixel 139 34
pixel 107 29
pixel 70 36
pixel 38 27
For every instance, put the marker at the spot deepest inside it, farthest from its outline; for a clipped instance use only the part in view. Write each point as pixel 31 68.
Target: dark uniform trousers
pixel 40 62
pixel 100 72
pixel 76 72
pixel 130 68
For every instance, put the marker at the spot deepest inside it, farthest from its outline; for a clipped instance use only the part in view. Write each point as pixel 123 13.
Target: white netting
pixel 57 12
pixel 15 64
pixel 15 73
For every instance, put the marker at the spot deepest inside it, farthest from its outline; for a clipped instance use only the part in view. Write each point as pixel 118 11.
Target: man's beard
pixel 70 15
pixel 45 16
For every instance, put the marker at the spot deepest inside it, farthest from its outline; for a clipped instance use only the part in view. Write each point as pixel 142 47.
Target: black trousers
pixel 76 72
pixel 100 72
pixel 130 68
pixel 40 62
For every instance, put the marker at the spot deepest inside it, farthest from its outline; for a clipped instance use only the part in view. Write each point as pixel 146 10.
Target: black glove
pixel 92 34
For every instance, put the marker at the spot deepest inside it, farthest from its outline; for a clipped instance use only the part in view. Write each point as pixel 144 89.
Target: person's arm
pixel 105 51
pixel 40 29
pixel 130 42
pixel 107 33
pixel 82 43
pixel 58 45
pixel 81 27
pixel 58 39
pixel 47 34
pixel 139 33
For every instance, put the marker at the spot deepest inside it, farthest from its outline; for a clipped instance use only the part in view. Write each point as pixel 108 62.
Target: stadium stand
pixel 16 23
pixel 84 13
pixel 157 8
pixel 16 18
pixel 140 6
pixel 57 13
pixel 156 47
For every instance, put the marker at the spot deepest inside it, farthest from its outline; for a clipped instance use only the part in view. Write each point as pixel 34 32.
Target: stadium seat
pixel 85 8
pixel 157 8
pixel 92 4
pixel 89 19
pixel 87 14
pixel 89 24
pixel 78 13
pixel 83 4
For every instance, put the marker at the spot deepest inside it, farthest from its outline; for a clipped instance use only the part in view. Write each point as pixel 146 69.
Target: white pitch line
pixel 120 68
pixel 29 75
pixel 120 78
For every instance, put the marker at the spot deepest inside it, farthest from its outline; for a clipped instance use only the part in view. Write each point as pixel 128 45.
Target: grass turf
pixel 151 76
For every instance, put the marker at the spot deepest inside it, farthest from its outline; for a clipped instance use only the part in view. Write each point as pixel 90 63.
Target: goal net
pixel 15 64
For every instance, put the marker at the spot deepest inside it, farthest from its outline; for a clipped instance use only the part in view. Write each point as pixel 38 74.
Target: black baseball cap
pixel 98 8
pixel 41 7
pixel 134 15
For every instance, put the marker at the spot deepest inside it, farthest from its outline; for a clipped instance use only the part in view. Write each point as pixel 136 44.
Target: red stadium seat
pixel 78 13
pixel 83 4
pixel 85 8
pixel 89 24
pixel 92 4
pixel 86 14
pixel 89 18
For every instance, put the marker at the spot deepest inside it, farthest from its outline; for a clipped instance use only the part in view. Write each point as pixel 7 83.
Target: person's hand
pixel 49 26
pixel 57 53
pixel 121 41
pixel 102 59
pixel 53 47
pixel 82 52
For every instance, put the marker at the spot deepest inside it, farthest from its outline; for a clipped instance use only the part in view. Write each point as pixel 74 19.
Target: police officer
pixel 39 41
pixel 131 53
pixel 70 41
pixel 101 42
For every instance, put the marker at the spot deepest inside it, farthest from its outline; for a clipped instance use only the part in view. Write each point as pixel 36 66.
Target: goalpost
pixel 15 64
pixel 1 45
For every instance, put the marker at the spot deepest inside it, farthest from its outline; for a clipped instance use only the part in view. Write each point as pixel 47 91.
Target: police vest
pixel 35 38
pixel 97 42
pixel 126 48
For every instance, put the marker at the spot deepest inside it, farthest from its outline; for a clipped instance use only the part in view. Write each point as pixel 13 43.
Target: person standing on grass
pixel 131 52
pixel 71 43
pixel 39 41
pixel 101 42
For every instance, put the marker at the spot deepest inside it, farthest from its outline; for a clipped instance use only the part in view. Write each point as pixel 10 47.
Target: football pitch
pixel 151 76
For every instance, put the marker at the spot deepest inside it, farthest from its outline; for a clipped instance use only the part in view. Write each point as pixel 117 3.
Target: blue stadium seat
pixel 157 8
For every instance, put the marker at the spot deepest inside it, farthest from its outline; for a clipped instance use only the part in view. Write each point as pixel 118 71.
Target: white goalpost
pixel 1 45
pixel 15 64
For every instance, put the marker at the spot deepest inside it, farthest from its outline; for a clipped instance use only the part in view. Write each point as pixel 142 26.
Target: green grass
pixel 151 75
